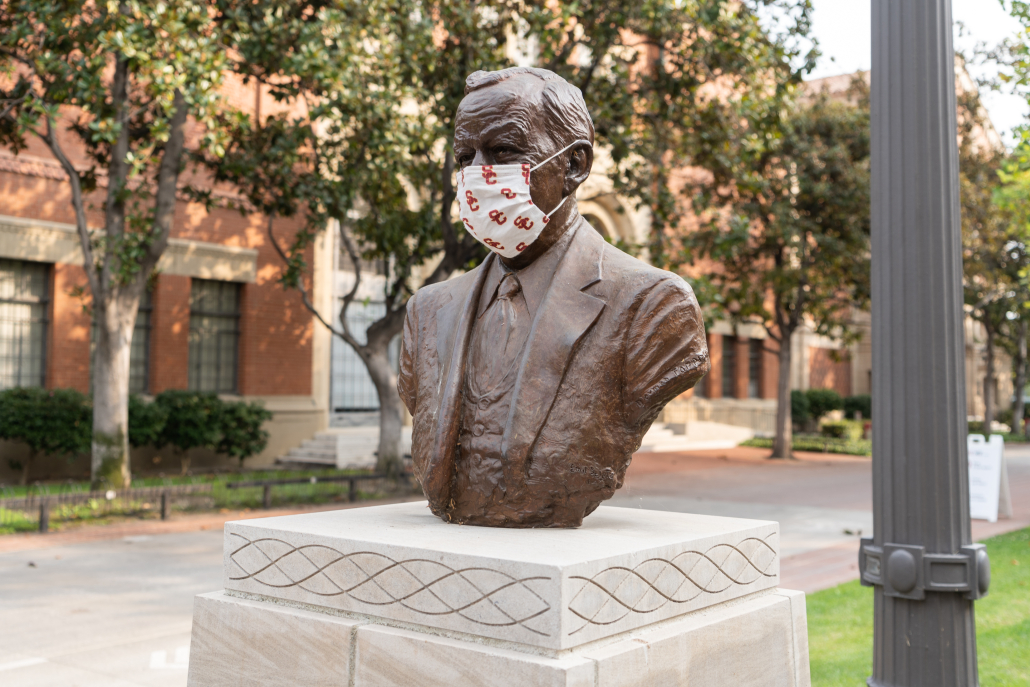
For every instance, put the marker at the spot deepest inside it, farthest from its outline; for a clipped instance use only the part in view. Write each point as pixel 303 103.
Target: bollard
pixel 352 492
pixel 44 515
pixel 266 499
pixel 164 505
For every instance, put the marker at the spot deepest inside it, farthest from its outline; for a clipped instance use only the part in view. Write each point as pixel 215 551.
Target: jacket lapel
pixel 452 349
pixel 564 316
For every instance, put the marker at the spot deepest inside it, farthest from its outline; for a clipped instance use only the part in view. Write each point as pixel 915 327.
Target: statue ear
pixel 580 161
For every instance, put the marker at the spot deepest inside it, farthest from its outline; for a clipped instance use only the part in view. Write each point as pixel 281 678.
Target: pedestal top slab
pixel 554 588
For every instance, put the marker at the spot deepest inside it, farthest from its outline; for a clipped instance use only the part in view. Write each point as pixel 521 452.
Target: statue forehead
pixel 513 101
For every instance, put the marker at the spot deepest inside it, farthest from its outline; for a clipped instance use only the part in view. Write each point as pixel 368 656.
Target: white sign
pixel 984 476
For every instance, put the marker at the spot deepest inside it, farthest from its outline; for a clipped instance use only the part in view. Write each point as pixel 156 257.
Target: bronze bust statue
pixel 533 377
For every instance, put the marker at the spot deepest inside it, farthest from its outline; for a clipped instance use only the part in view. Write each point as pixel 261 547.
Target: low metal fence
pixel 39 511
pixel 330 485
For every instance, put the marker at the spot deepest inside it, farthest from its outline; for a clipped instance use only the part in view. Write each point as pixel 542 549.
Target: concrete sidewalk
pixel 108 606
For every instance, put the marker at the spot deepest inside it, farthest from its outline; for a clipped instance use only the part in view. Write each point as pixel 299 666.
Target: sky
pixel 843 30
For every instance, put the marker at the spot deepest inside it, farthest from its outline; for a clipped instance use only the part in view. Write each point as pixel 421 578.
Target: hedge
pixel 60 422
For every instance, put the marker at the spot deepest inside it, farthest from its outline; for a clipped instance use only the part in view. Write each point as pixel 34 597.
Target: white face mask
pixel 496 207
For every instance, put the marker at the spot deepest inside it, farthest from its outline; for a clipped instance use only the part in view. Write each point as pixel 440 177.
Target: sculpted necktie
pixel 502 331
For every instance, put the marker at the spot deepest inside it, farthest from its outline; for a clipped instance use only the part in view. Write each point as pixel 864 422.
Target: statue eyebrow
pixel 510 131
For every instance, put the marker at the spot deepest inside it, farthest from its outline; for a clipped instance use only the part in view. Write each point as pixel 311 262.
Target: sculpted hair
pixel 563 102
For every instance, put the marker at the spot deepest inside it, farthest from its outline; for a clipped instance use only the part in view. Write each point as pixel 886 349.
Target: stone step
pixel 328 443
pixel 698 436
pixel 305 451
pixel 342 447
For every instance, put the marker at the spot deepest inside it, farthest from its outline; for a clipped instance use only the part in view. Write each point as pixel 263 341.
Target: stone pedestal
pixel 393 596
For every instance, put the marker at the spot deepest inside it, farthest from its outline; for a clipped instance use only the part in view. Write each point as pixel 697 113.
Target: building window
pixel 729 366
pixel 139 356
pixel 754 368
pixel 24 300
pixel 352 390
pixel 214 335
pixel 139 353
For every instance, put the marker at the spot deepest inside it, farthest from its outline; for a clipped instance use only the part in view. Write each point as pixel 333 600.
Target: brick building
pixel 215 318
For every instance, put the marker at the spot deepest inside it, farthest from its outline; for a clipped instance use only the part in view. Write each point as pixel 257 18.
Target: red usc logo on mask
pixel 469 225
pixel 523 223
pixel 489 175
pixel 493 244
pixel 498 216
pixel 471 200
pixel 525 173
pixel 507 193
pixel 521 247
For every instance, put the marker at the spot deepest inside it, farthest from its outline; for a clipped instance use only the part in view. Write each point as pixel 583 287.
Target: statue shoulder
pixel 433 296
pixel 634 277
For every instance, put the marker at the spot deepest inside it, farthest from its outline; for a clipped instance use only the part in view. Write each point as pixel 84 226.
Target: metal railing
pixel 351 480
pixel 17 512
pixel 40 510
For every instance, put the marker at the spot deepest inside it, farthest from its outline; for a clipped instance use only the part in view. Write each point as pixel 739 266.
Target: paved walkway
pixel 107 606
pixel 823 502
pixel 112 606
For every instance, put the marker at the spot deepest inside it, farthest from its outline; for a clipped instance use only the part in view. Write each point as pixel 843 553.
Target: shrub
pixel 146 421
pixel 51 421
pixel 800 408
pixel 240 426
pixel 842 429
pixel 862 403
pixel 186 420
pixel 192 421
pixel 822 401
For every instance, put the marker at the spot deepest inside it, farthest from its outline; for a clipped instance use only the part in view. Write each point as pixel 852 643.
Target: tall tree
pixel 668 82
pixel 994 239
pixel 785 225
pixel 367 93
pixel 1011 197
pixel 383 174
pixel 108 88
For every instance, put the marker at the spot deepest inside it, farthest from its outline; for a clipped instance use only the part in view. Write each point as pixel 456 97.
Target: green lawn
pixel 840 624
pixel 819 444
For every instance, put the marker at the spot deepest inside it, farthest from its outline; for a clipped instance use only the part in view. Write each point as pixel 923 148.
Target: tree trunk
pixel 783 444
pixel 25 467
pixel 391 409
pixel 1018 427
pixel 110 457
pixel 988 379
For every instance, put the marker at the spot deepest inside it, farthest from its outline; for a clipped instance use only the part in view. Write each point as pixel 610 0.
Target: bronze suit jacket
pixel 613 341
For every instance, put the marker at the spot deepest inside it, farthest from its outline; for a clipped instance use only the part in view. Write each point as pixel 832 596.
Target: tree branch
pixel 355 260
pixel 167 179
pixel 118 169
pixel 304 294
pixel 89 261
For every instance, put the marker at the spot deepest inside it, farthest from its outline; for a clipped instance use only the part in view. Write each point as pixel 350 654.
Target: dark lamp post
pixel 921 560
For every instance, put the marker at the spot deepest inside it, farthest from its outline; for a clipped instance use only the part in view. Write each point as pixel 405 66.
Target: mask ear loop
pixel 533 169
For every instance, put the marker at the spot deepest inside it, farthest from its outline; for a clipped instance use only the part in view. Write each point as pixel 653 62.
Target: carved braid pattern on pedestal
pixel 616 592
pixel 479 595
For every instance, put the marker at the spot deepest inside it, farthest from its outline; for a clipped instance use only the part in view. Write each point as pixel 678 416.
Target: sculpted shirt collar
pixel 535 278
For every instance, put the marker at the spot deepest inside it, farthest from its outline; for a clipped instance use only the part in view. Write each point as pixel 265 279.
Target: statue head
pixel 524 115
